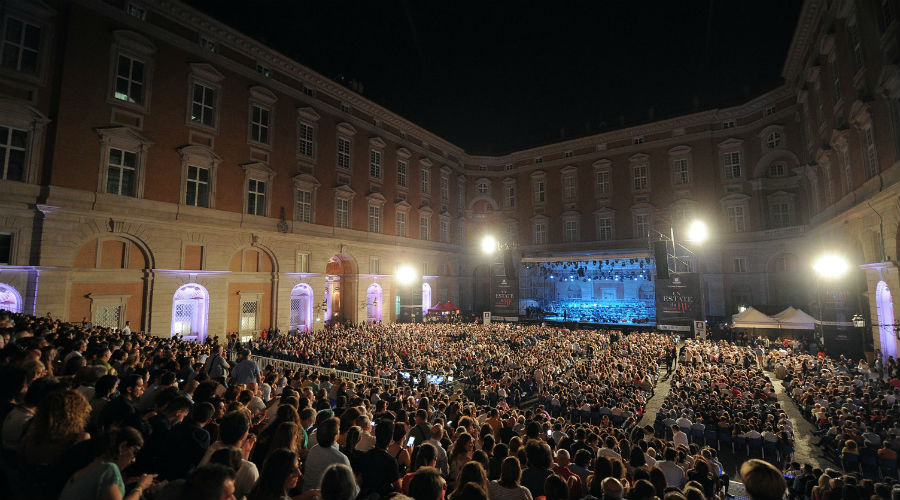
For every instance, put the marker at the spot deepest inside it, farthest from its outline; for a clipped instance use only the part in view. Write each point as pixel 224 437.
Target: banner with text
pixel 678 299
pixel 505 296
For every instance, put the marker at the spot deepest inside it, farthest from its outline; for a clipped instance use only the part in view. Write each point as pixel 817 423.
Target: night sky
pixel 494 77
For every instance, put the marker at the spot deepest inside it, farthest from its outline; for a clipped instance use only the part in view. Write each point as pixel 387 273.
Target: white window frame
pixel 444 230
pixel 403 168
pixel 445 187
pixel 424 226
pixel 740 265
pixel 264 99
pixel 249 298
pixel 539 188
pixel 201 157
pixel 307 134
pixel 259 172
pixel 571 228
pixel 308 184
pixel 509 193
pixel 680 165
pixel 461 194
pixel 343 207
pixel 605 222
pixel 126 139
pixel 425 179
pixel 7 146
pixel 729 151
pixel 640 177
pixel 736 222
pixel 376 158
pixel 641 218
pixel 102 300
pixel 482 188
pixel 137 48
pixel 569 183
pixel 539 230
pixel 602 178
pixel 20 46
pixel 375 213
pixel 207 77
pixel 301 263
pixel 402 223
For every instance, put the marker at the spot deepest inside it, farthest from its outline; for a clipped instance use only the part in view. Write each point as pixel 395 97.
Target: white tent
pixel 752 318
pixel 795 319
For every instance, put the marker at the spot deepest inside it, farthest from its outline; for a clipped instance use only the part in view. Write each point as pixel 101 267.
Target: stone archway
pixel 341 279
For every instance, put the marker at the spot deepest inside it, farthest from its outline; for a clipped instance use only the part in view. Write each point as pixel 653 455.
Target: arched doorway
pixel 190 308
pixel 301 308
pixel 373 303
pixel 340 289
pixel 885 308
pixel 10 300
pixel 426 298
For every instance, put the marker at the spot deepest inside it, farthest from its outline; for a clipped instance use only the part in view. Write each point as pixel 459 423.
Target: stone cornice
pixel 803 38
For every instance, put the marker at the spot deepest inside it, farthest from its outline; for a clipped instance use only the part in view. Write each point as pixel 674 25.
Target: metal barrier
pixel 282 364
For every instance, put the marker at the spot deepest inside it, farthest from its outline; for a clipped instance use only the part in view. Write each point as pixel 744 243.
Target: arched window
pixel 10 300
pixel 301 308
pixel 426 298
pixel 885 309
pixel 374 303
pixel 190 312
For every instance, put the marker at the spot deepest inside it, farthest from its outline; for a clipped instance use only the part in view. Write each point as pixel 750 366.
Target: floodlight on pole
pixel 406 275
pixel 489 244
pixel 830 266
pixel 697 231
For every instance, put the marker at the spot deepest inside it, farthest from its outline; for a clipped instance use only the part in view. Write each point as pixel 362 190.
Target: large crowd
pixel 536 413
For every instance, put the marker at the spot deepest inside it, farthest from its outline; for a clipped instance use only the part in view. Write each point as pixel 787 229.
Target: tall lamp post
pixel 828 267
pixel 491 247
pixel 405 278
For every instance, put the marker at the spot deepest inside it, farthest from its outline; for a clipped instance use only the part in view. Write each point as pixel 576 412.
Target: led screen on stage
pixel 613 291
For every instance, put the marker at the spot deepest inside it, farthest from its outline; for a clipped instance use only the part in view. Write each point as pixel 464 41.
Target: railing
pixel 282 364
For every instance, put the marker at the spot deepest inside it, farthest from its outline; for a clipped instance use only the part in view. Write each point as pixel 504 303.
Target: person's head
pixel 555 488
pixel 472 472
pixel 209 482
pixel 234 427
pixel 426 456
pixel 470 491
pixel 338 483
pixel 287 435
pixel 229 457
pixel 641 490
pixel 539 454
pixel 762 480
pixel 132 386
pixel 636 458
pixel 327 431
pixel 384 433
pixel 510 472
pixel 280 473
pixel 612 488
pixel 202 413
pixel 427 484
pixel 60 415
pixel 120 446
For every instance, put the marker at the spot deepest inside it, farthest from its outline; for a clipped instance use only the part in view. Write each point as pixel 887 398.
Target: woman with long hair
pixel 280 474
pixel 397 448
pixel 339 483
pixel 102 478
pixel 351 439
pixel 287 435
pixel 461 452
pixel 472 472
pixel 508 487
pixel 58 424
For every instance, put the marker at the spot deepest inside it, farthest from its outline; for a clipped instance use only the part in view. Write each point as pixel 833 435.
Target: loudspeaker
pixel 661 254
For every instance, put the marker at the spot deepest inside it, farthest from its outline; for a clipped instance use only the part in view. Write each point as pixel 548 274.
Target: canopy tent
pixel 795 319
pixel 444 307
pixel 752 318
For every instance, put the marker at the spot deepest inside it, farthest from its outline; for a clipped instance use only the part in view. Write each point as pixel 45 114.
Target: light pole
pixel 503 298
pixel 405 277
pixel 828 267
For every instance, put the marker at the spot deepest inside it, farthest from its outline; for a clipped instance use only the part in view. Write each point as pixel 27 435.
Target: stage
pixel 601 289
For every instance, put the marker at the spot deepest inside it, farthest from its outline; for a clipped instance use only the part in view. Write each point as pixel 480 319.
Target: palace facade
pixel 161 168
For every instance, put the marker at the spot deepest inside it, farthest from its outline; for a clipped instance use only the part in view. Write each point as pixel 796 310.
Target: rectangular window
pixel 570 230
pixel 604 228
pixel 511 232
pixel 259 124
pixel 302 262
pixel 780 214
pixel 639 177
pixel 304 205
pixel 728 124
pixel 343 153
pixel 735 219
pixel 264 70
pixel 5 249
pixel 777 170
pixel 731 161
pixel 12 153
pixel 540 191
pixel 401 172
pixel 423 227
pixel 509 196
pixel 21 43
pixel 374 219
pixel 248 316
pixel 602 178
pixel 445 231
pixel 209 45
pixel 130 80
pixel 401 225
pixel 641 225
pixel 374 265
pixel 342 213
pixel 256 197
pixel 681 171
pixel 445 189
pixel 638 140
pixel 375 164
pixel 121 172
pixel 306 137
pixel 426 182
pixel 770 110
pixel 569 187
pixel 540 233
pixel 197 187
pixel 203 105
pixel 871 154
pixel 740 265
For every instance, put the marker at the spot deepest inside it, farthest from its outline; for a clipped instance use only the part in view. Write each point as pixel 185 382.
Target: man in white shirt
pixel 437 432
pixel 323 454
pixel 674 474
pixel 679 437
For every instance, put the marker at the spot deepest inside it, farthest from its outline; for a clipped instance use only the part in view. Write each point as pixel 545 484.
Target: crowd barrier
pixel 282 364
